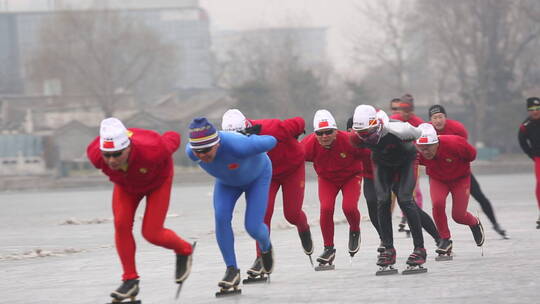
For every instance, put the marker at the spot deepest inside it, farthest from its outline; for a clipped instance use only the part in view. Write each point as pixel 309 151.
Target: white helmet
pixel 323 120
pixel 233 120
pixel 429 135
pixel 365 117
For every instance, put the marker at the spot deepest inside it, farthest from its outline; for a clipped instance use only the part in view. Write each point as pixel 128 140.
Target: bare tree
pixel 268 76
pixel 103 54
pixel 483 45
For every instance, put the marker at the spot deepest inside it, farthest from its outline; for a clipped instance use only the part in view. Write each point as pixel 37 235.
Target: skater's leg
pixel 406 184
pixel 124 206
pixel 351 195
pixel 438 192
pixel 383 177
pixel 293 198
pixel 225 198
pixel 272 193
pixel 371 200
pixel 537 173
pixel 418 198
pixel 327 196
pixel 479 196
pixel 460 201
pixel 157 205
pixel 428 224
pixel 256 202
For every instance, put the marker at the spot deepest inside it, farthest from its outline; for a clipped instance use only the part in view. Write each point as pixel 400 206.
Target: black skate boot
pixel 229 284
pixel 267 258
pixel 500 231
pixel 354 242
pixel 538 223
pixel 128 289
pixel 326 259
pixel 183 266
pixel 307 243
pixel 255 273
pixel 415 261
pixel 386 260
pixel 444 250
pixel 478 233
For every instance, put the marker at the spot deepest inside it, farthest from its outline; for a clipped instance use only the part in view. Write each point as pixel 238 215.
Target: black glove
pixel 255 129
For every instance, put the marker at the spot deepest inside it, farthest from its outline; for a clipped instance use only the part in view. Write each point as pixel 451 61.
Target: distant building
pixel 22 154
pixel 180 21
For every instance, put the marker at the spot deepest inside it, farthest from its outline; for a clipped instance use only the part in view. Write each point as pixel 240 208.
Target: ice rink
pixel 57 247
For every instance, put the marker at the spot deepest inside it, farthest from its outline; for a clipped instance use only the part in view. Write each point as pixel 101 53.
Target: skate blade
pixel 311 260
pixel 255 280
pixel 178 291
pixel 125 302
pixel 414 270
pixel 386 271
pixel 325 267
pixel 441 258
pixel 228 292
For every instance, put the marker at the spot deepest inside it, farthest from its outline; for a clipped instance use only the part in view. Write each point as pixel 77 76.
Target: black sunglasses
pixel 327 132
pixel 112 154
pixel 202 151
pixel 394 108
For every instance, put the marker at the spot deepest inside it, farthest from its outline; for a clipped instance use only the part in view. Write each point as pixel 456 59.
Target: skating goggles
pixel 203 151
pixel 327 132
pixel 366 132
pixel 112 154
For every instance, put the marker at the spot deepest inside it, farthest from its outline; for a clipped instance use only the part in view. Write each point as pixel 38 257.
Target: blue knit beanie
pixel 202 134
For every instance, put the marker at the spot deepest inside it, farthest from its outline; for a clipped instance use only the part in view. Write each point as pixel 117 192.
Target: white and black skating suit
pixel 394 158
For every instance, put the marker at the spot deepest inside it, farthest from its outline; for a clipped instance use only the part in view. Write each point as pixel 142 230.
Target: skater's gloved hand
pixel 255 129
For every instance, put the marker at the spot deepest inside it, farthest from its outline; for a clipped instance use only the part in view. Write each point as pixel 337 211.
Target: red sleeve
pixel 460 130
pixel 171 140
pixel 307 144
pixel 294 126
pixel 94 154
pixel 466 151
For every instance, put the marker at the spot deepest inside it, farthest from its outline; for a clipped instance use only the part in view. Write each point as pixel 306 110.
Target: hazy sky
pixel 337 16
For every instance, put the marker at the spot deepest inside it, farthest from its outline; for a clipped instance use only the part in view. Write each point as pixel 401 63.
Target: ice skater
pixel 394 157
pixel 529 140
pixel 288 172
pixel 447 159
pixel 139 163
pixel 339 168
pixel 405 113
pixel 240 165
pixel 445 126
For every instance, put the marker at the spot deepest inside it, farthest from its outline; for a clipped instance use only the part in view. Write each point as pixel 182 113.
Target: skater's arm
pixel 524 142
pixel 404 131
pixel 246 146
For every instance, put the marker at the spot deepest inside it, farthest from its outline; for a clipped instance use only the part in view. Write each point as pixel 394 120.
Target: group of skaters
pixel 257 157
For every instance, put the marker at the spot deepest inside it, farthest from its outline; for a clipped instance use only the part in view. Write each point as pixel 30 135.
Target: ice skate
pixel 386 261
pixel 415 261
pixel 354 242
pixel 255 273
pixel 500 231
pixel 128 290
pixel 326 259
pixel 444 250
pixel 229 284
pixel 538 223
pixel 267 258
pixel 478 233
pixel 307 244
pixel 183 268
